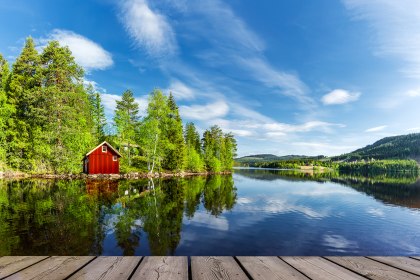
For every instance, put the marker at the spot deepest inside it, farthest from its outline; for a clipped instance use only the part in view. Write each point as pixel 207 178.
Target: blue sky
pixel 286 77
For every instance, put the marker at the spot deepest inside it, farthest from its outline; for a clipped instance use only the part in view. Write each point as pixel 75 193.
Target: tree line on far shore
pixel 49 119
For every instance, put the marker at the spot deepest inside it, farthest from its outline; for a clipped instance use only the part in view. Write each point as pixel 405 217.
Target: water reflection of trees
pixel 47 217
pixel 395 188
pixel 41 217
pixel 219 194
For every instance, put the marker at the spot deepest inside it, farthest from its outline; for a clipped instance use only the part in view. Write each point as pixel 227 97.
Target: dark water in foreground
pixel 253 212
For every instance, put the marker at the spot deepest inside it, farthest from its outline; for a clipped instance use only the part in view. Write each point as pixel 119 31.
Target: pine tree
pixel 24 94
pixel 98 114
pixel 68 130
pixel 127 120
pixel 192 137
pixel 175 149
pixel 193 159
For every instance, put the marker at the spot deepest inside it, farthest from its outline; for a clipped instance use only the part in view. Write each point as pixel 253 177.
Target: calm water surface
pixel 253 212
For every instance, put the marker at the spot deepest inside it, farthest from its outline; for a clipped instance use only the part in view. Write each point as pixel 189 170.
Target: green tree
pixel 228 152
pixel 212 144
pixel 98 114
pixel 67 107
pixel 151 133
pixel 6 110
pixel 24 94
pixel 192 137
pixel 127 120
pixel 175 148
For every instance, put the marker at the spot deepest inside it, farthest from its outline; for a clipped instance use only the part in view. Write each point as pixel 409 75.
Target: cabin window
pixel 103 149
pixel 114 158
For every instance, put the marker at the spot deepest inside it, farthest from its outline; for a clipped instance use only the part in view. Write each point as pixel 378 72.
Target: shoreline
pixel 130 175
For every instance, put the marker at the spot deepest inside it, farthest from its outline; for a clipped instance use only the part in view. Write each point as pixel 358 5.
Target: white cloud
pixel 94 85
pixel 88 54
pixel 413 93
pixel 396 29
pixel 340 96
pixel 149 29
pixel 305 127
pixel 180 90
pixel 205 112
pixel 110 102
pixel 376 128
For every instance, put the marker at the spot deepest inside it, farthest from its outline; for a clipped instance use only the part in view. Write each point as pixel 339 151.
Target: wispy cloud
pixel 180 90
pixel 340 96
pixel 204 112
pixel 396 29
pixel 376 128
pixel 149 29
pixel 88 54
pixel 285 83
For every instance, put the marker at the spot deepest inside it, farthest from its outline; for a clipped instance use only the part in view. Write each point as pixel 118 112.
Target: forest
pixel 50 118
pixel 361 167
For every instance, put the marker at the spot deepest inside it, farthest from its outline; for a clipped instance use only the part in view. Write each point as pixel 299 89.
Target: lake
pixel 252 212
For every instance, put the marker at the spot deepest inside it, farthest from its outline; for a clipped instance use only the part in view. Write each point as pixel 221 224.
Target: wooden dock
pixel 195 268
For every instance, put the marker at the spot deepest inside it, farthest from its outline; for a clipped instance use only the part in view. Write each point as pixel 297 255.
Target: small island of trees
pixel 49 119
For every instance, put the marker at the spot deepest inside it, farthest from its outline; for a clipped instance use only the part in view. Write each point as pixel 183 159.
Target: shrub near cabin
pixel 104 159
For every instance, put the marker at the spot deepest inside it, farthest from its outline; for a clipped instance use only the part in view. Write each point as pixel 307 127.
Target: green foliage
pixel 379 166
pixel 219 149
pixel 6 111
pixel 175 147
pixel 152 130
pixel 192 137
pixel 98 114
pixel 126 120
pixel 193 161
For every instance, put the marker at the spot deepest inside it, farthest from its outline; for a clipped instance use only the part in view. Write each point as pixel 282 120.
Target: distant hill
pixel 394 147
pixel 268 158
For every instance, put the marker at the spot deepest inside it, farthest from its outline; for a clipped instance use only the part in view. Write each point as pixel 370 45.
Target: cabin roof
pixel 112 148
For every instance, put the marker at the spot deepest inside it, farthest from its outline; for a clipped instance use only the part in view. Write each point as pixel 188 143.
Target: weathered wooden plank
pixel 372 269
pixel 108 268
pixel 53 268
pixel 269 268
pixel 162 268
pixel 9 265
pixel 212 268
pixel 319 268
pixel 404 263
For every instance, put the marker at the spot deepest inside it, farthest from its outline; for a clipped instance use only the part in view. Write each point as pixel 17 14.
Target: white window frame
pixel 114 158
pixel 104 149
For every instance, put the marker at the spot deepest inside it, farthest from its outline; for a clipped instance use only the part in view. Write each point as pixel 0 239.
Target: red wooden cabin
pixel 104 159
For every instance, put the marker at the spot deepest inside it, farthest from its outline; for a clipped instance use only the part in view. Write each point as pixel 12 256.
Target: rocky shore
pixel 131 175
